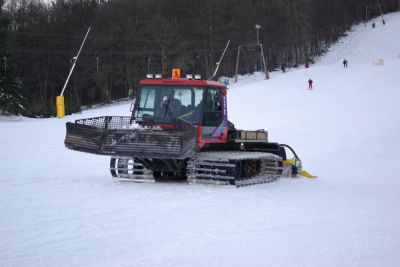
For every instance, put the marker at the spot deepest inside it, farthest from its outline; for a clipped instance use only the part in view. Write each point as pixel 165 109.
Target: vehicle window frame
pixel 139 111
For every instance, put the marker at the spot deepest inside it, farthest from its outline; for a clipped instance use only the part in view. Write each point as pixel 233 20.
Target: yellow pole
pixel 60 106
pixel 60 98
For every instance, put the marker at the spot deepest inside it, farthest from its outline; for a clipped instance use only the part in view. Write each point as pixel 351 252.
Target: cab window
pixel 213 115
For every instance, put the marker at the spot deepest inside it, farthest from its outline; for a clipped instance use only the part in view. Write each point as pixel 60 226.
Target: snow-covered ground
pixel 61 208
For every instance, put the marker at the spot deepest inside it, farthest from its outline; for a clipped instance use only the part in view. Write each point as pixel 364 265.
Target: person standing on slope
pixel 310 82
pixel 345 62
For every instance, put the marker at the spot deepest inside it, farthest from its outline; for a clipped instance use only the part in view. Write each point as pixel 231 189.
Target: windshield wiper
pixel 167 105
pixel 183 120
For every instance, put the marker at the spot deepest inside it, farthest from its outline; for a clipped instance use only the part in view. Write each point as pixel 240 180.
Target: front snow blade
pixel 307 174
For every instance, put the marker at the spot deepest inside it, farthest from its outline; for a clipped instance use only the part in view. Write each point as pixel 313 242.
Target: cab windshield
pixel 168 103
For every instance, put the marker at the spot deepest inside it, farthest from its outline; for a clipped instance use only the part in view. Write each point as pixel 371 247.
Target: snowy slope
pixel 61 208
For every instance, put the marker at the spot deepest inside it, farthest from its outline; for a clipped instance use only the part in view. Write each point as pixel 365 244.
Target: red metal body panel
pixel 201 142
pixel 182 82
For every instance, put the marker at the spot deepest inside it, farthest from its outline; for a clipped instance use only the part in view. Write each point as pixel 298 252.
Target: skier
pixel 345 62
pixel 310 82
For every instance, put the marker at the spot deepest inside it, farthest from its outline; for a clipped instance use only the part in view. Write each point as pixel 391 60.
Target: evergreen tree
pixel 11 98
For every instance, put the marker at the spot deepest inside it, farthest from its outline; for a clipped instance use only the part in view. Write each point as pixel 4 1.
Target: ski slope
pixel 61 208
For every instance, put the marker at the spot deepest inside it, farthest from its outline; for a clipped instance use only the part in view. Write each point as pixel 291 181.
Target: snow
pixel 61 208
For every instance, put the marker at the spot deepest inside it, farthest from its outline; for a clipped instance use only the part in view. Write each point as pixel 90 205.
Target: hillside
pixel 61 208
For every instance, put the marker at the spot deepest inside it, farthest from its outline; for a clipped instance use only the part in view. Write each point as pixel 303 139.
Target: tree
pixel 11 98
pixel 131 37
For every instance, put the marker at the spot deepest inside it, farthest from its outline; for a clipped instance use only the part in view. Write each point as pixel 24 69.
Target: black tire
pixel 249 168
pixel 157 176
pixel 122 163
pixel 168 176
pixel 112 167
pixel 239 169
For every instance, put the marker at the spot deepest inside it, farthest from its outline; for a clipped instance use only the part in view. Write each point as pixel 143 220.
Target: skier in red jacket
pixel 310 84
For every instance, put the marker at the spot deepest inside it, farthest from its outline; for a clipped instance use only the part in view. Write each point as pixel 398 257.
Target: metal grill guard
pixel 118 136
